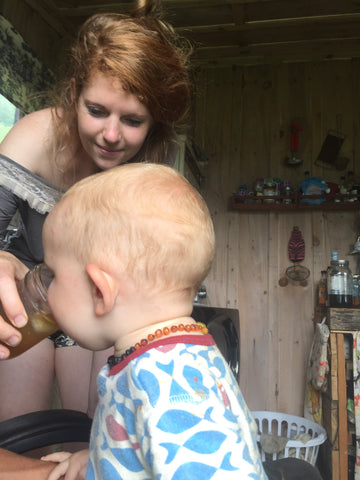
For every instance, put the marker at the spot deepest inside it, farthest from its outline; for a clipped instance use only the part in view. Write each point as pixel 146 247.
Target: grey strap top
pixel 27 198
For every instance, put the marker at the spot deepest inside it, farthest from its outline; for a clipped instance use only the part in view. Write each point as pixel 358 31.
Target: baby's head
pixel 144 220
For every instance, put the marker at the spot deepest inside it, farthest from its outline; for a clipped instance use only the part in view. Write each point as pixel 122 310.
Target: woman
pixel 126 90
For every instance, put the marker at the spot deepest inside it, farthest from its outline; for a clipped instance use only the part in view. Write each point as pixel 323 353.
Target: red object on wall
pixel 295 129
pixel 296 247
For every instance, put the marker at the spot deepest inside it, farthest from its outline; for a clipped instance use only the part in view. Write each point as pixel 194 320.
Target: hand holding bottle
pixel 32 290
pixel 11 270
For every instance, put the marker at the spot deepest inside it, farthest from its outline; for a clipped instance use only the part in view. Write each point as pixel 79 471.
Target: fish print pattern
pixel 174 412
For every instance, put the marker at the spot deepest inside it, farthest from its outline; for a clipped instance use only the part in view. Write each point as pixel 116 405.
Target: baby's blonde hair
pixel 144 219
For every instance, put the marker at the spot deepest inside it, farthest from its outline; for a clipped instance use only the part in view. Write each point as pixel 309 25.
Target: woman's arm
pixel 28 143
pixel 11 269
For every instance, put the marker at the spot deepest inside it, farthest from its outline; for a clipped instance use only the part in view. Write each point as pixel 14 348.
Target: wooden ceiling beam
pixel 275 31
pixel 248 30
pixel 275 54
pixel 205 9
pixel 49 14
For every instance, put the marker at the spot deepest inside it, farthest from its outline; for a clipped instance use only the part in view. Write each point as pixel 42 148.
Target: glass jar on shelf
pixel 269 190
pixel 356 291
pixel 341 285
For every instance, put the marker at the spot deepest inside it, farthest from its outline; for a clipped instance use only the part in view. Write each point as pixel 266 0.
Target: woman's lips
pixel 108 151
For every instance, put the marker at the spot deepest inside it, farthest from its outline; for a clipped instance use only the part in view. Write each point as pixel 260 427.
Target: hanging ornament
pixel 356 246
pixel 296 246
pixel 294 160
pixel 296 250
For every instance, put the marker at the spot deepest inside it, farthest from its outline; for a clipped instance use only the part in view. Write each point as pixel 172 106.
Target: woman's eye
pixel 132 122
pixel 96 111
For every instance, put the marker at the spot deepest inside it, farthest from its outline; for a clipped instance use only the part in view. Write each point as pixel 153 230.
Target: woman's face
pixel 112 123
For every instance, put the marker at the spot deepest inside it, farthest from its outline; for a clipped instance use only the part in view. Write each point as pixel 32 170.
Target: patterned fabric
pixel 356 376
pixel 316 374
pixel 39 194
pixel 28 197
pixel 22 76
pixel 319 367
pixel 173 412
pixel 60 340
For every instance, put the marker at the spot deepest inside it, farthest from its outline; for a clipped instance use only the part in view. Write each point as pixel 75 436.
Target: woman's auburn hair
pixel 150 61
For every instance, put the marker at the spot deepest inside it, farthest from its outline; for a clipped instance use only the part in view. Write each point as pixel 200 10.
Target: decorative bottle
pixel 322 289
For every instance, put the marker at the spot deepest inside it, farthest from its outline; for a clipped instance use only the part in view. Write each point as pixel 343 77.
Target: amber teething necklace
pixel 160 332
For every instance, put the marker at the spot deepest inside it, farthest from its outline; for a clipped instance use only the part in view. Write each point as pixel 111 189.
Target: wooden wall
pixel 242 119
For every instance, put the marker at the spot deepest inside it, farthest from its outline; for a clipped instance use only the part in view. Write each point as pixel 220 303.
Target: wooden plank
pixel 343 319
pixel 330 421
pixel 343 450
pixel 333 367
pixel 296 338
pixel 272 32
pixel 263 54
pixel 355 90
pixel 335 467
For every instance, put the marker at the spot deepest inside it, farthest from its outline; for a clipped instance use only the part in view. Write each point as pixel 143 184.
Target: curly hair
pixel 150 61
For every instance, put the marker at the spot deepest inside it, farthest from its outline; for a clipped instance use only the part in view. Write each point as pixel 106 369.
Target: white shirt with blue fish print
pixel 173 411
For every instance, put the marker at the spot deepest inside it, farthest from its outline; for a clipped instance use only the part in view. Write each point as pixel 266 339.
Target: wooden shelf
pixel 341 321
pixel 295 202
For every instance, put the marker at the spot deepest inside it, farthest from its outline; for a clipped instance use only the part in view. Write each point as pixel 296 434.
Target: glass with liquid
pixel 33 294
pixel 341 285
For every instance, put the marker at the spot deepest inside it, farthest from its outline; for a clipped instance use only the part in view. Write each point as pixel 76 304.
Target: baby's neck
pixel 142 336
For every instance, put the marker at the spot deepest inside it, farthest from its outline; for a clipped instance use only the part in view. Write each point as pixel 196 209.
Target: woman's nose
pixel 111 132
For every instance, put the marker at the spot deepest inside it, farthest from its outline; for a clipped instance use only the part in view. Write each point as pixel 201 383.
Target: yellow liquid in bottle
pixel 38 327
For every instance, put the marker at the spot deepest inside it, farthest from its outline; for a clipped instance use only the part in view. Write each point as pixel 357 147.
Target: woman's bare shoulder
pixel 29 141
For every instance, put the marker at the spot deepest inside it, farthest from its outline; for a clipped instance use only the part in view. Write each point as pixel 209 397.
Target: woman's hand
pixel 71 466
pixel 11 269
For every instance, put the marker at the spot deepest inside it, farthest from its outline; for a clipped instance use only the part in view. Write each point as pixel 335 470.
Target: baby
pixel 129 248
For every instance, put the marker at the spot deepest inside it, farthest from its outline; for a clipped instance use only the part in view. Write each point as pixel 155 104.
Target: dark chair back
pixel 45 428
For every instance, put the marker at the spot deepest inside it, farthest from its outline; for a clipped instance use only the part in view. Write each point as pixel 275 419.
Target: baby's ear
pixel 104 289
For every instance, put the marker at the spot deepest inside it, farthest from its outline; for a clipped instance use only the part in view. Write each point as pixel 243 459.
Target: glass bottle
pixel 33 294
pixel 287 191
pixel 356 291
pixel 269 190
pixel 333 264
pixel 322 290
pixel 341 285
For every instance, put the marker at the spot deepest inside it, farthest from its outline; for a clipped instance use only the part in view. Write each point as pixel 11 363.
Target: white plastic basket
pixel 290 426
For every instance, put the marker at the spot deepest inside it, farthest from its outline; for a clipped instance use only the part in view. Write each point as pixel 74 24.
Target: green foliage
pixel 3 131
pixel 7 112
pixel 7 116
